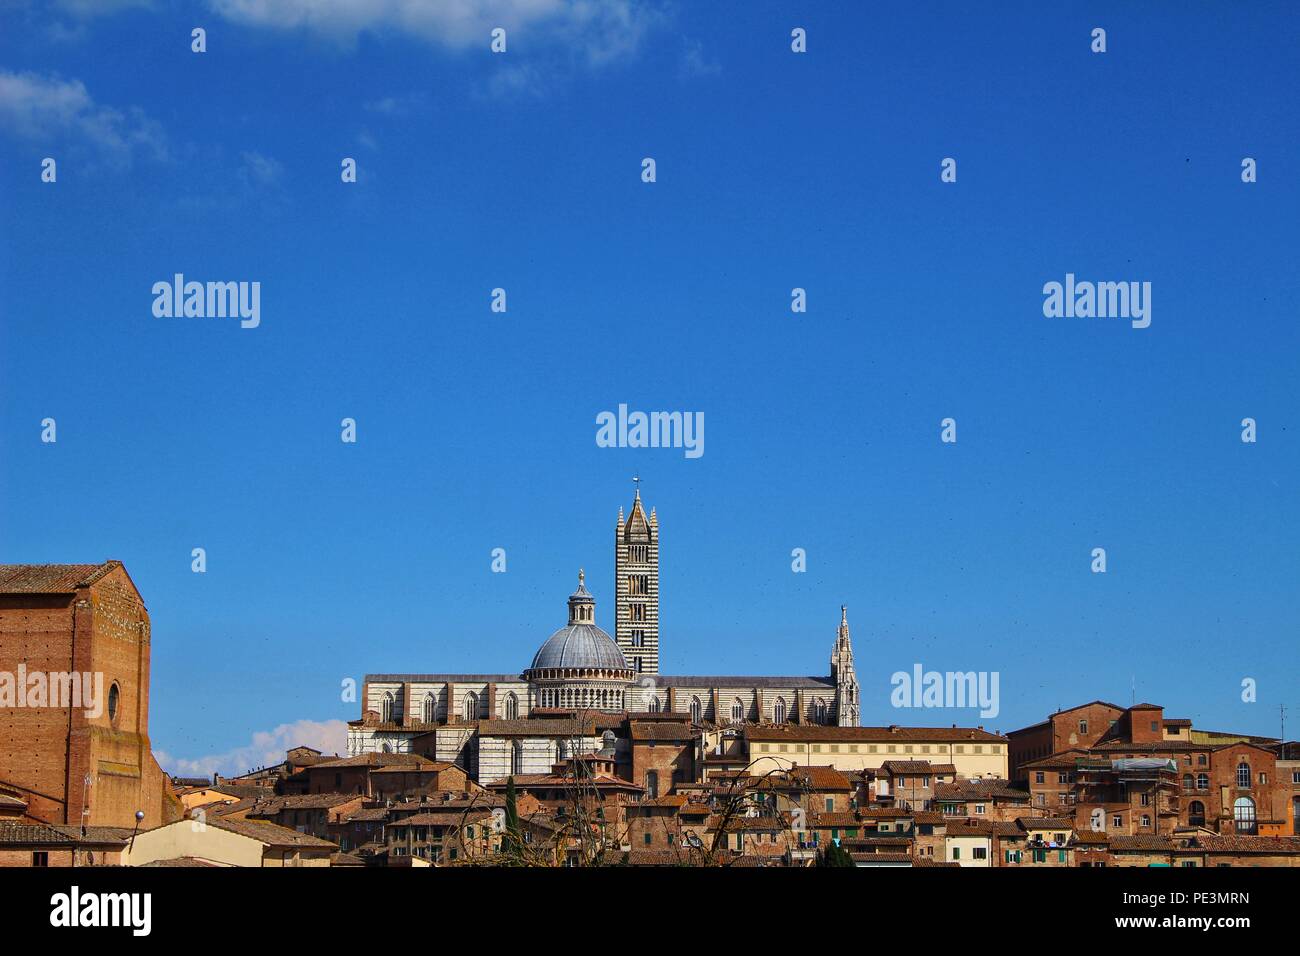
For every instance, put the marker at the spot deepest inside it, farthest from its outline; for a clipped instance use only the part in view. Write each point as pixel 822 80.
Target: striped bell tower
pixel 636 587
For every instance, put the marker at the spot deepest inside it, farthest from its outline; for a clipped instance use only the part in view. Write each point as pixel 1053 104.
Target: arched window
pixel 654 705
pixel 114 697
pixel 1243 812
pixel 386 707
pixel 430 708
pixel 819 711
pixel 697 710
pixel 1188 782
pixel 1202 781
pixel 652 784
pixel 470 709
pixel 1196 814
pixel 388 748
pixel 737 710
pixel 778 711
pixel 512 707
pixel 516 757
pixel 561 751
pixel 1243 775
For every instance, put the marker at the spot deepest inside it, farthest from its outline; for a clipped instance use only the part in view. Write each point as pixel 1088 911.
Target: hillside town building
pixel 498 724
pixel 74 698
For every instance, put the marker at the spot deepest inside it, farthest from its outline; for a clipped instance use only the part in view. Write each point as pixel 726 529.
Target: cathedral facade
pixel 582 682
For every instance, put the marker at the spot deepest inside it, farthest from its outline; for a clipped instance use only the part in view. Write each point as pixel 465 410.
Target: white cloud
pixel 267 747
pixel 259 170
pixel 695 62
pixel 99 8
pixel 398 106
pixel 55 111
pixel 598 30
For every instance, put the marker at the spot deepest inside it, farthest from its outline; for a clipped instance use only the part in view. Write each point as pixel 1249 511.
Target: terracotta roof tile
pixel 51 578
pixel 817 732
pixel 269 833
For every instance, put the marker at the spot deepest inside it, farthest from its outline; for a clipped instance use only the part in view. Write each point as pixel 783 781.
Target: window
pixel 737 710
pixel 470 709
pixel 819 711
pixel 40 858
pixel 956 853
pixel 1243 814
pixel 1243 775
pixel 1196 813
pixel 654 705
pixel 652 784
pixel 386 707
pixel 646 839
pixel 1188 782
pixel 114 693
pixel 979 853
pixel 1117 821
pixel 1146 819
pixel 1083 726
pixel 1062 778
pixel 1202 781
pixel 430 709
pixel 639 666
pixel 1040 777
pixel 516 757
pixel 830 804
pixel 778 711
pixel 1155 726
pixel 697 711
pixel 1040 856
pixel 512 706
pixel 1145 800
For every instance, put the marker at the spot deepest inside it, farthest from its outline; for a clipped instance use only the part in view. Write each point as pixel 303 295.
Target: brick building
pixel 1219 782
pixel 74 697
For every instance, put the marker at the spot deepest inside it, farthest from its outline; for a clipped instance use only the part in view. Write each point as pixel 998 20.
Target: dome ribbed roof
pixel 580 645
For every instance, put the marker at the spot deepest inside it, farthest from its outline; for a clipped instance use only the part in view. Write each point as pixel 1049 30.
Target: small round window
pixel 113 694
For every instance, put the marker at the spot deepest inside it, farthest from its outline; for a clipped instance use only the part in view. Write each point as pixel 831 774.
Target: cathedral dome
pixel 579 645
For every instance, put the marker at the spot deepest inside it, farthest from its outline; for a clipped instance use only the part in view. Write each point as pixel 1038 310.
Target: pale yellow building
pixel 973 751
pixel 223 842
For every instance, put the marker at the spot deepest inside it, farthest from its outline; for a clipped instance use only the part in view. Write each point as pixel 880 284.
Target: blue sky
pixel 476 430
